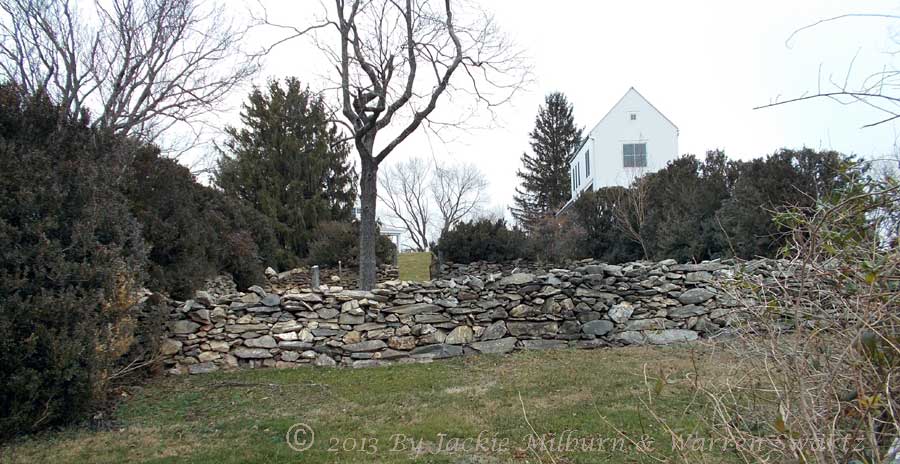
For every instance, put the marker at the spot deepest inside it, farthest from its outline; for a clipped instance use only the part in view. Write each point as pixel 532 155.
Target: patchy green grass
pixel 414 266
pixel 402 413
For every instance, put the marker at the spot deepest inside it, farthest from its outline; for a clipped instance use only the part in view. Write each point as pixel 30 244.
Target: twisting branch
pixel 139 66
pixel 874 90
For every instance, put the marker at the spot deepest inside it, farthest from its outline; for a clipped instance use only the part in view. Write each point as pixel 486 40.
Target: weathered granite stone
pixel 460 335
pixel 220 346
pixel 494 331
pixel 169 347
pixel 402 343
pixel 524 310
pixel 621 312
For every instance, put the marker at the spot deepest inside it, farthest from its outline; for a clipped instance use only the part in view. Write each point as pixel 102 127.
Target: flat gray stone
pixel 543 344
pixel 631 337
pixel 265 341
pixel 517 279
pixel 350 319
pixel 287 326
pixel 665 337
pixel 368 345
pixel 684 312
pixel 650 324
pixel 532 328
pixel 185 327
pixel 241 328
pixel 437 351
pixel 415 308
pixel 695 296
pixel 271 300
pixel 503 345
pixel 252 353
pixel 202 368
pixel 323 360
pixel 598 327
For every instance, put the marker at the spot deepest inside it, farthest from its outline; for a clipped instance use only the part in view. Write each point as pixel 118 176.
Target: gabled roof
pixel 631 89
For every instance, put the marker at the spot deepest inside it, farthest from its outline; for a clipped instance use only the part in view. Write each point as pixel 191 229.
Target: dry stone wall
pixel 587 306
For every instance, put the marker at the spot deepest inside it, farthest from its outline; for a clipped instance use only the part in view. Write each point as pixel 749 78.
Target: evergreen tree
pixel 545 178
pixel 290 163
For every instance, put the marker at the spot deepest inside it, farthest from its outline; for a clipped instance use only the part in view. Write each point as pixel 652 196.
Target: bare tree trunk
pixel 368 235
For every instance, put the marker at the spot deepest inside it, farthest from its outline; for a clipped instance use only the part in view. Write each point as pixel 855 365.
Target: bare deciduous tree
pixel 459 190
pixel 630 211
pixel 404 190
pixel 395 60
pixel 411 189
pixel 139 66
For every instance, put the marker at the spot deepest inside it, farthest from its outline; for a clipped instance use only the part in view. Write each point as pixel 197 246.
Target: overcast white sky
pixel 704 64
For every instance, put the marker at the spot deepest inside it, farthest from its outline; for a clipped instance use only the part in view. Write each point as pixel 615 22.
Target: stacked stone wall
pixel 587 306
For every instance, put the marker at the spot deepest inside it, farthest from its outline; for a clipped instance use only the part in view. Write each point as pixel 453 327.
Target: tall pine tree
pixel 545 177
pixel 289 162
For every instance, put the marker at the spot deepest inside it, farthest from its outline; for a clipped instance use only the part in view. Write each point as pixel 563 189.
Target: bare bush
pixel 817 346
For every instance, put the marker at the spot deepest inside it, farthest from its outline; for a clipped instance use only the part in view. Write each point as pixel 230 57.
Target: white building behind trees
pixel 634 138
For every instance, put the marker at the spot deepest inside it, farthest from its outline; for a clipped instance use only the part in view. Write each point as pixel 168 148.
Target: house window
pixel 587 164
pixel 634 155
pixel 632 116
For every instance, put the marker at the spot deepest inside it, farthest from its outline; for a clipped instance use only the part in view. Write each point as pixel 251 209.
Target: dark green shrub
pixel 339 241
pixel 482 240
pixel 196 232
pixel 71 257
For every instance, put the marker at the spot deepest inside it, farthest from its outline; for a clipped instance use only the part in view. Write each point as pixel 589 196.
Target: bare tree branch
pixel 139 66
pixel 394 61
pixel 404 190
pixel 459 190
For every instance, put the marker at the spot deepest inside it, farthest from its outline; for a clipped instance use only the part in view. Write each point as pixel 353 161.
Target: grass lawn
pixel 378 414
pixel 414 266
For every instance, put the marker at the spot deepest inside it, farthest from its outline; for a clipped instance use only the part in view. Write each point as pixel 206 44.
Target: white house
pixel 634 138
